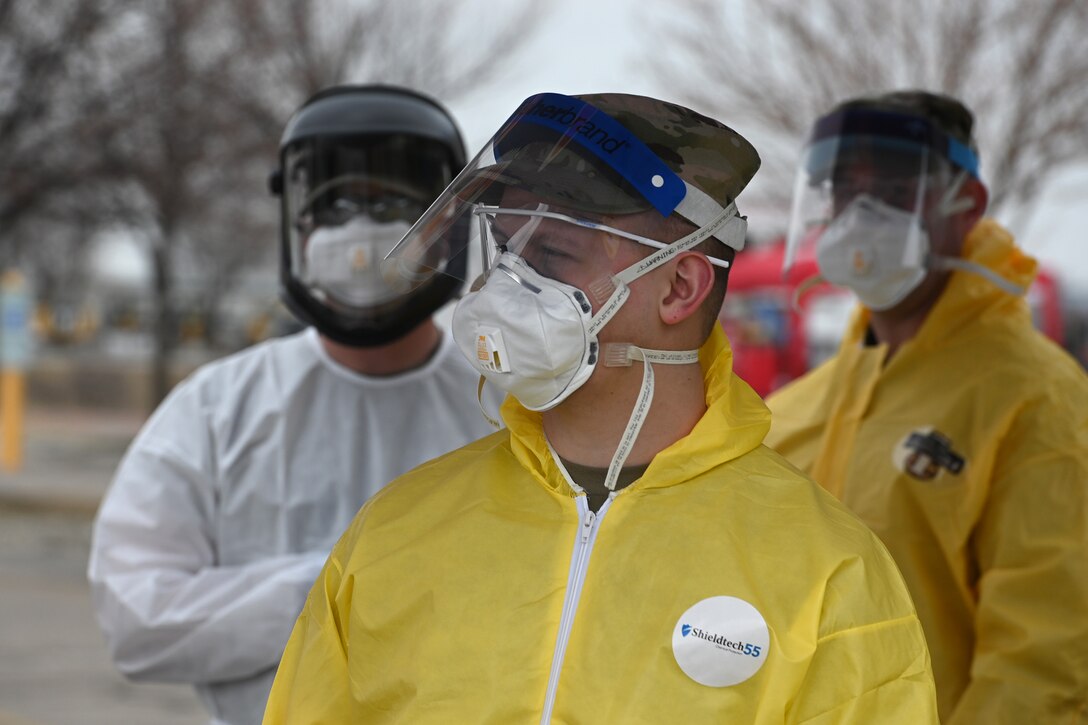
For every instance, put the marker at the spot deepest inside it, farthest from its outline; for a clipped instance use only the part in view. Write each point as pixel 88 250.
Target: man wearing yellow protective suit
pixel 627 551
pixel 952 427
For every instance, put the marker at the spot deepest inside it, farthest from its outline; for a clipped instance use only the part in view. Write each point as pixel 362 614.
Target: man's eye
pixel 547 260
pixel 553 253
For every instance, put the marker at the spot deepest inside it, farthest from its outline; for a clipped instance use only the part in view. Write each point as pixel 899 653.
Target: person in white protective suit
pixel 227 503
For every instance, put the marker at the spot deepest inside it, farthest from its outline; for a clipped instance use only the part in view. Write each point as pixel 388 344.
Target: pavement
pixel 69 456
pixel 55 669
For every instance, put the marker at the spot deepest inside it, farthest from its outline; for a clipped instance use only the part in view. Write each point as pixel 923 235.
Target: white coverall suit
pixel 226 505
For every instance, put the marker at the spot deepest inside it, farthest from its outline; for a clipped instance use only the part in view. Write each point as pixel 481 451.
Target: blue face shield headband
pixel 893 138
pixel 576 123
pixel 555 132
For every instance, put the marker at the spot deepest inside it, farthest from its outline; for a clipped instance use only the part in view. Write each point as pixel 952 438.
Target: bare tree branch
pixel 773 66
pixel 162 118
pixel 42 100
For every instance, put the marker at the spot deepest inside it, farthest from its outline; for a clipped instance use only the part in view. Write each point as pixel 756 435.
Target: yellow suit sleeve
pixel 312 683
pixel 874 674
pixel 1030 662
pixel 871 663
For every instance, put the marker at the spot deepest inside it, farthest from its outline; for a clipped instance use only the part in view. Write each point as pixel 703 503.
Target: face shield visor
pixel 347 201
pixel 869 186
pixel 558 169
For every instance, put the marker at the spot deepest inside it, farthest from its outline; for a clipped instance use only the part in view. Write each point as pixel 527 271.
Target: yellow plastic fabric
pixel 995 556
pixel 443 600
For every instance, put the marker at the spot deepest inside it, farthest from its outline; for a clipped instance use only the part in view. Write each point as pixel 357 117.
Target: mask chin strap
pixel 491 420
pixel 615 290
pixel 966 265
pixel 934 262
pixel 802 287
pixel 623 354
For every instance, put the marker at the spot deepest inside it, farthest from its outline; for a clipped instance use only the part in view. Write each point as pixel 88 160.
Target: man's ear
pixel 977 191
pixel 973 198
pixel 691 281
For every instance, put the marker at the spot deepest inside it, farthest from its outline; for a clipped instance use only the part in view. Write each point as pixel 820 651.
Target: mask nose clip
pixel 502 267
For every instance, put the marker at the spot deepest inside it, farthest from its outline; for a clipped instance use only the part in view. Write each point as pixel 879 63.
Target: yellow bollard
pixel 12 413
pixel 15 353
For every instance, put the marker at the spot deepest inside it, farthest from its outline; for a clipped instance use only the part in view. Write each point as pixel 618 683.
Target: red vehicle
pixel 780 327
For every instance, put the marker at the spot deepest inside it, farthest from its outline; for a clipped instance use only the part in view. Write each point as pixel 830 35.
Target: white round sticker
pixel 720 641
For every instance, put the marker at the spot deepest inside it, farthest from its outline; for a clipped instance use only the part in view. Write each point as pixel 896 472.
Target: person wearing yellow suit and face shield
pixel 952 427
pixel 627 550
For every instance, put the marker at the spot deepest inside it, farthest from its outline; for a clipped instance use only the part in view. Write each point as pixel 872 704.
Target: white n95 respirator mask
pixel 527 334
pixel 344 261
pixel 874 249
pixel 536 338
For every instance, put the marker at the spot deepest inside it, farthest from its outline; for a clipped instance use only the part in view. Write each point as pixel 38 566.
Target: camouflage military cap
pixel 947 113
pixel 701 151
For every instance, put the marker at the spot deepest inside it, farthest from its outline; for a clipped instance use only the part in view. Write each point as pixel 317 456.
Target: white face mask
pixel 876 250
pixel 528 334
pixel 345 261
pixel 882 253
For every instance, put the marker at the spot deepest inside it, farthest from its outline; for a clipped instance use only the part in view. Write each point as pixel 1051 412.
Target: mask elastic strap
pixel 613 290
pixel 623 354
pixel 733 227
pixel 966 265
pixel 480 400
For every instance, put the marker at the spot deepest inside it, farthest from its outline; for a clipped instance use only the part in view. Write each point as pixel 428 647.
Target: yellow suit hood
pixel 736 422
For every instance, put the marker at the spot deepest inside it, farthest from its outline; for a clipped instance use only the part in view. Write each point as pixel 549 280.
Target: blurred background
pixel 138 239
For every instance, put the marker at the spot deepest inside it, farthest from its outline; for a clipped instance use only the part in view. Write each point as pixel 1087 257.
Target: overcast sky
pixel 590 46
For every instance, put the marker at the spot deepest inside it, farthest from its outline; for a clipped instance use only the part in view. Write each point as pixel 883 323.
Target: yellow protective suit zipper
pixel 583 546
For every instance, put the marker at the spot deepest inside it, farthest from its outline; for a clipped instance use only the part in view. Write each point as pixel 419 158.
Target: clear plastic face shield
pixel 870 188
pixel 347 202
pixel 566 246
pixel 559 173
